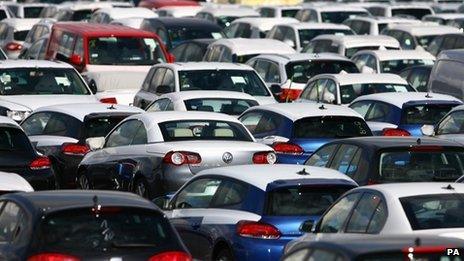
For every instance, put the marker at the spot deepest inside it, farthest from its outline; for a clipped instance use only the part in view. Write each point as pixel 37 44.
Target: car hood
pixel 32 102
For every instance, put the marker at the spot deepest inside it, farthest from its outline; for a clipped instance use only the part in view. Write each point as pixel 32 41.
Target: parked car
pixel 12 182
pixel 222 214
pixel 78 225
pixel 369 25
pixel 30 84
pixel 154 154
pixel 377 160
pixel 291 72
pixel 60 132
pixel 414 11
pixel 450 127
pixel 79 11
pixel 402 114
pixel 391 61
pixel 348 45
pixel 191 50
pixel 180 77
pixel 254 27
pixel 239 50
pixel 442 18
pixel 106 15
pixel 36 51
pixel 294 129
pixel 336 13
pixel 26 10
pixel 20 157
pixel 298 35
pixel 178 11
pixel 343 88
pixel 417 76
pixel 446 42
pixel 38 30
pixel 279 11
pixel 13 32
pixel 224 15
pixel 446 74
pixel 227 102
pixel 457 22
pixel 134 22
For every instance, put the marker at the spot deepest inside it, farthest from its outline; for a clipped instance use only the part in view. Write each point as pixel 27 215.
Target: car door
pixel 347 160
pixel 14 233
pixel 369 215
pixel 322 157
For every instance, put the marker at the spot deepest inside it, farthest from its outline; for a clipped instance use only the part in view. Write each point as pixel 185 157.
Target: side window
pixel 261 124
pixel 66 45
pixel 123 134
pixel 230 193
pixel 273 73
pixel 330 92
pixel 313 16
pixel 197 194
pixel 360 60
pixel 35 124
pixel 168 84
pixel 140 136
pixel 179 51
pixel 324 254
pixel 407 42
pixel 346 159
pixel 321 157
pixel 231 30
pixel 79 48
pixel 226 55
pixel 262 67
pixel 307 90
pixel 453 123
pixel 289 37
pixel 371 62
pixel 361 107
pixel 379 112
pixel 157 79
pixel 162 34
pixel 148 78
pixel 159 105
pixel 251 120
pixel 9 222
pixel 365 28
pixel 194 53
pixel 435 46
pixel 336 216
pixel 368 216
pixel 316 91
pixel 54 124
pixel 448 43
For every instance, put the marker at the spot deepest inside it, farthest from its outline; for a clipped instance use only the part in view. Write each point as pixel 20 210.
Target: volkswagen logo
pixel 227 157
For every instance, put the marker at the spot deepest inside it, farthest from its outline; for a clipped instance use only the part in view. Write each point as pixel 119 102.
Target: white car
pixel 445 18
pixel 279 11
pixel 39 30
pixel 450 127
pixel 13 32
pixel 106 15
pixel 391 61
pixel 330 13
pixel 343 88
pixel 398 208
pixel 224 15
pixel 179 77
pixel 298 35
pixel 26 10
pixel 254 27
pixel 178 11
pixel 134 22
pixel 29 84
pixel 374 25
pixel 415 11
pixel 291 72
pixel 11 182
pixel 78 11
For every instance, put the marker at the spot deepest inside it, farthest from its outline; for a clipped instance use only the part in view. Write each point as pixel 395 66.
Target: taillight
pixel 110 100
pixel 289 94
pixel 265 157
pixel 287 148
pixel 182 157
pixel 75 149
pixel 41 162
pixel 171 256
pixel 395 132
pixel 257 230
pixel 52 257
pixel 14 47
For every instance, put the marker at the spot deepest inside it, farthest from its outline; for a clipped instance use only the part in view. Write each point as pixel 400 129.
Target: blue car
pixel 296 130
pixel 250 212
pixel 403 114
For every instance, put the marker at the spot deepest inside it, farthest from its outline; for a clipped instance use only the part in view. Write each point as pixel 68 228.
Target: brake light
pixel 74 149
pixel 14 47
pixel 257 230
pixel 288 148
pixel 41 162
pixel 52 257
pixel 289 94
pixel 426 148
pixel 395 132
pixel 182 157
pixel 427 250
pixel 110 100
pixel 171 256
pixel 265 157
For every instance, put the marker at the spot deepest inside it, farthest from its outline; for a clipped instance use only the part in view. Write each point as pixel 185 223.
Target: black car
pixel 60 132
pixel 417 76
pixel 373 160
pixel 191 50
pixel 173 31
pixel 17 155
pixel 373 247
pixel 91 225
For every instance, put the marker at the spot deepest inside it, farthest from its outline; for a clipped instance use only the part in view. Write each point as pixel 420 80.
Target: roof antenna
pixel 449 187
pixel 322 107
pixel 111 107
pixel 428 95
pixel 418 141
pixel 302 172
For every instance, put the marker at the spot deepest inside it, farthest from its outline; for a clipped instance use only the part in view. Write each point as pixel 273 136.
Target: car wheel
pixel 83 182
pixel 224 255
pixel 141 188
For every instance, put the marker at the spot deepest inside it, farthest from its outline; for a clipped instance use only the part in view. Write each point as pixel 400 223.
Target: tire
pixel 141 188
pixel 83 182
pixel 224 254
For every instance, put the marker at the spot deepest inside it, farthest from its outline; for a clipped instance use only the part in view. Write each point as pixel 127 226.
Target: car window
pixel 273 74
pixel 228 106
pixel 419 79
pixel 193 53
pixel 140 136
pixel 230 193
pixel 197 194
pixel 323 254
pixel 159 105
pixel 361 107
pixel 407 41
pixel 179 51
pixel 156 80
pixel 333 126
pixel 260 124
pixel 168 83
pixel 10 219
pixel 13 140
pixel 368 207
pixel 346 159
pixel 452 124
pixel 330 92
pixel 54 124
pixel 66 45
pixel 305 94
pixel 379 112
pixel 79 48
pixel 123 134
pixel 261 67
pixel 322 156
pixel 333 220
pixel 425 113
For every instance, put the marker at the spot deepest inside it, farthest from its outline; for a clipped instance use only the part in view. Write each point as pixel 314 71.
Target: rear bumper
pixel 40 179
pixel 292 159
pixel 259 249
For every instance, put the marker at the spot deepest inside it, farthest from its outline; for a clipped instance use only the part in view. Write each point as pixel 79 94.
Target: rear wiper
pixel 132 245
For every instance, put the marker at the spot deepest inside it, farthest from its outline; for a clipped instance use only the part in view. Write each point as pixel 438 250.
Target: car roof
pixel 81 110
pixel 189 66
pixel 265 23
pixel 233 11
pixel 387 55
pixel 403 6
pixel 399 190
pixel 118 12
pixel 336 8
pixel 261 176
pixel 189 22
pixel 385 142
pixel 446 15
pixel 91 29
pixel 208 94
pixel 281 7
pixel 242 46
pixel 299 110
pixel 425 29
pixel 181 11
pixel 13 182
pixel 8 121
pixel 21 24
pixel 360 78
pixel 399 99
pixel 164 116
pixel 303 26
pixel 10 63
pixel 295 57
pixel 84 5
pixel 350 41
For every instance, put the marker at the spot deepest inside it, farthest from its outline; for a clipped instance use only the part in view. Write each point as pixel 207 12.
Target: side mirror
pixel 428 130
pixel 171 58
pixel 270 140
pixel 290 43
pixel 75 59
pixel 276 89
pixel 367 69
pixel 95 143
pixel 163 202
pixel 307 226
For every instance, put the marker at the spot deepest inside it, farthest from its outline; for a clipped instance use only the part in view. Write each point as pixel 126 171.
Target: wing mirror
pixel 428 130
pixel 95 143
pixel 307 226
pixel 75 59
pixel 163 202
pixel 270 140
pixel 367 69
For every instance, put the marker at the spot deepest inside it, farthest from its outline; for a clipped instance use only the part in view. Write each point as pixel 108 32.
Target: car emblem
pixel 227 157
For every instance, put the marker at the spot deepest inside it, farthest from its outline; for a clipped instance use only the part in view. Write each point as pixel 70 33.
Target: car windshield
pixel 351 91
pixel 32 12
pixel 308 34
pixel 340 16
pixel 33 81
pixel 289 12
pixel 434 211
pixel 418 13
pixel 421 164
pixel 303 200
pixel 179 35
pixel 333 126
pixel 13 140
pixel 83 230
pixel 425 113
pixel 130 51
pixel 396 66
pixel 100 126
pixel 20 35
pixel 424 41
pixel 246 81
pixel 228 106
pixel 302 71
pixel 203 130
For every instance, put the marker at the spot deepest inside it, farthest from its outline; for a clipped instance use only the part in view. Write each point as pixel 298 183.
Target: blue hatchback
pixel 250 212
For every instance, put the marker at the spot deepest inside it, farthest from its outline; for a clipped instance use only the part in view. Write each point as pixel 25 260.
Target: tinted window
pixel 180 34
pixel 123 135
pixel 227 106
pixel 415 12
pixel 32 12
pixel 55 124
pixel 321 157
pixel 346 159
pixel 333 126
pixel 334 219
pixel 425 113
pixel 9 219
pixel 13 140
pixel 260 124
pixel 101 126
pixel 230 193
pixel 452 124
pixel 339 17
pixel 362 220
pixel 419 78
pixel 194 53
pixel 289 12
pixel 350 92
pixel 197 194
pixel 301 72
pixel 20 35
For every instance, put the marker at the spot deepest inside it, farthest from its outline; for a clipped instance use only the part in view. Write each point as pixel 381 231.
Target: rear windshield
pixel 101 126
pixel 333 126
pixel 340 16
pixel 396 66
pixel 32 12
pixel 420 166
pixel 81 15
pixel 308 34
pixel 302 200
pixel 84 231
pixel 13 140
pixel 227 106
pixel 350 92
pixel 203 130
pixel 289 12
pixel 418 13
pixel 434 211
pixel 425 113
pixel 20 35
pixel 302 71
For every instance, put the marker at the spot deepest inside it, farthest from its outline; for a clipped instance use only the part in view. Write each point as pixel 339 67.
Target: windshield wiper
pixel 132 245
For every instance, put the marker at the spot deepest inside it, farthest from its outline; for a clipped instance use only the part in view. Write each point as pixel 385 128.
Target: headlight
pixel 17 115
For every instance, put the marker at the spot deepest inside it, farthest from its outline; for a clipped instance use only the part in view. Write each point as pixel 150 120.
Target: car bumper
pixel 292 159
pixel 40 179
pixel 259 249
